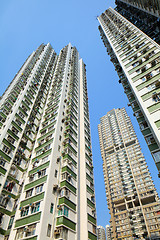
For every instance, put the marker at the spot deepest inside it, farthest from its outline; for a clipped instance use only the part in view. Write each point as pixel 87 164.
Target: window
pixel 29 193
pixel 6 149
pixel 56 173
pixel 150 139
pixel 19 233
pixel 10 139
pixel 44 159
pixel 51 208
pixel 49 230
pixel 42 173
pixel 35 207
pixel 2 161
pixel 21 114
pixel 156 156
pixel 30 230
pixel 11 222
pixel 39 189
pixel 24 212
pixel 63 211
pixel 94 229
pixel 50 128
pixel 18 122
pixel 43 132
pixel 66 211
pixel 143 125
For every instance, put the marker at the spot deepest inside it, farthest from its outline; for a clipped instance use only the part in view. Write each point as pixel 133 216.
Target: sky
pixel 25 24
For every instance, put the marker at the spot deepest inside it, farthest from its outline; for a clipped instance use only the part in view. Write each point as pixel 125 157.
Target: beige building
pixel 108 232
pixel 46 170
pixel 131 195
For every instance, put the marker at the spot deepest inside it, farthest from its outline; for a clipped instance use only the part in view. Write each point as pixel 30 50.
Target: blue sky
pixel 25 24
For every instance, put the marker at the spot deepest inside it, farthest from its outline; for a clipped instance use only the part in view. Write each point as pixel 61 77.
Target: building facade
pixel 145 18
pixel 151 7
pixel 131 196
pixel 47 185
pixel 108 232
pixel 101 235
pixel 136 58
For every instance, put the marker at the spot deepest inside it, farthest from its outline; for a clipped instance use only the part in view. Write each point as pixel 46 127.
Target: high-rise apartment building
pixel 143 14
pixel 108 232
pixel 132 198
pixel 136 58
pixel 101 235
pixel 47 185
pixel 152 6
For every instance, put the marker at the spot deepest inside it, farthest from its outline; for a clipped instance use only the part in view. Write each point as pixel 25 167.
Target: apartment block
pixel 101 235
pixel 146 20
pixel 108 232
pixel 131 195
pixel 46 168
pixel 152 6
pixel 136 58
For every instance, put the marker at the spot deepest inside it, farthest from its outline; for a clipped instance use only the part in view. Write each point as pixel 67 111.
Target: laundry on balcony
pixel 9 186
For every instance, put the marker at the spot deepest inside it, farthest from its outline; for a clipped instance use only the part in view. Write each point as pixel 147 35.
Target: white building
pixel 101 235
pixel 47 185
pixel 136 58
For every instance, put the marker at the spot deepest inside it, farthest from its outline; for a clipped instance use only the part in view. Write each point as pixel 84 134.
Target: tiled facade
pixel 146 20
pixel 108 232
pixel 47 185
pixel 131 196
pixel 136 58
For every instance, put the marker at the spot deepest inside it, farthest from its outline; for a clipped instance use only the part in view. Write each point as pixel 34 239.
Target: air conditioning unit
pixel 63 120
pixel 58 159
pixel 57 231
pixel 55 186
pixel 59 189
